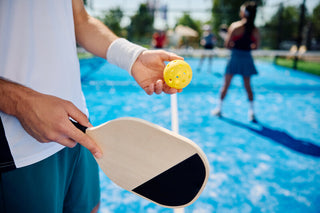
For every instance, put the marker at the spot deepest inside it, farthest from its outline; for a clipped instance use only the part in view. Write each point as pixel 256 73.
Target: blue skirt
pixel 241 62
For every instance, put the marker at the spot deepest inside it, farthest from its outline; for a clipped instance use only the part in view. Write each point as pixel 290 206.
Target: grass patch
pixel 84 55
pixel 306 66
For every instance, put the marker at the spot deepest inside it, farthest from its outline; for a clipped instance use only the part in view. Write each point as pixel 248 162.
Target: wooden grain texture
pixel 135 151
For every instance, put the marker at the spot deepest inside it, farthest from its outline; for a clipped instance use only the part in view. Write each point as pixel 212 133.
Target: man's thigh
pixel 51 185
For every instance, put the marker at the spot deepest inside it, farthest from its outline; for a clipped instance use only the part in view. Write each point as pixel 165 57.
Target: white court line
pixel 175 127
pixel 174 113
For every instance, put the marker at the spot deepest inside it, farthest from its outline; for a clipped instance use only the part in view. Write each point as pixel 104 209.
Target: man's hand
pixel 45 117
pixel 148 71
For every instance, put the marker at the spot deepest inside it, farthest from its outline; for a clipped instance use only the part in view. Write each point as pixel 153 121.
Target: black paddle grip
pixel 79 126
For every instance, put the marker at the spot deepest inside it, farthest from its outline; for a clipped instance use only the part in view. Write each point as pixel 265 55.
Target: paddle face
pixel 150 161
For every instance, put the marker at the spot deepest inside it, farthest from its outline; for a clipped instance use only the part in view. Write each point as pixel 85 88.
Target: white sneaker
pixel 252 117
pixel 216 112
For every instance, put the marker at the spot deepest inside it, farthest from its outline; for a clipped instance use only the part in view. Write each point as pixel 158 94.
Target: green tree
pixel 316 24
pixel 141 27
pixel 113 19
pixel 186 20
pixel 288 20
pixel 225 12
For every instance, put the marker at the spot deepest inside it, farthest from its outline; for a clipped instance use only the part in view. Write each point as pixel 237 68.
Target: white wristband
pixel 123 53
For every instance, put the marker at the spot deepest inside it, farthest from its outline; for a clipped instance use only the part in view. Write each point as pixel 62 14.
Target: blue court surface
pixel 269 166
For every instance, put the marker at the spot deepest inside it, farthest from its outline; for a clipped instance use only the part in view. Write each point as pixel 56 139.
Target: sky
pixel 199 9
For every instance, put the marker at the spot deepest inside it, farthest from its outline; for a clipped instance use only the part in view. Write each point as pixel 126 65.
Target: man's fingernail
pixel 98 155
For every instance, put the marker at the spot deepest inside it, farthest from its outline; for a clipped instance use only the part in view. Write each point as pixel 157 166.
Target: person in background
pixel 207 41
pixel 223 31
pixel 159 39
pixel 242 37
pixel 46 163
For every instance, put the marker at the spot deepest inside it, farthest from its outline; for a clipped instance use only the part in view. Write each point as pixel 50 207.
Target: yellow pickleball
pixel 177 74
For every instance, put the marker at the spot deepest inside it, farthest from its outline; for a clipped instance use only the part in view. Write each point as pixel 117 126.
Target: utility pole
pixel 280 25
pixel 300 30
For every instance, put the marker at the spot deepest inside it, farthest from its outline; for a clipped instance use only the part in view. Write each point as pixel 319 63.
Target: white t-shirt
pixel 38 50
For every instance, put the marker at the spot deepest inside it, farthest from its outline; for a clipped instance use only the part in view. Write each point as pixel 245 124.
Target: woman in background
pixel 242 37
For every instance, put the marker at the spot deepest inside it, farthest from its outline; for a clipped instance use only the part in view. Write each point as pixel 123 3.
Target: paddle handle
pixel 79 126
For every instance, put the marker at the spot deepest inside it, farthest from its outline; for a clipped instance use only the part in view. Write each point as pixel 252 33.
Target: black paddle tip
pixel 178 185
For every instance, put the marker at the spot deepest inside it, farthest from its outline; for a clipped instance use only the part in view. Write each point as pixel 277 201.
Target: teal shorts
pixel 66 182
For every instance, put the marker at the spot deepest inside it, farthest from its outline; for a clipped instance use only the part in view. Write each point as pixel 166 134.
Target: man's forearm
pixel 91 33
pixel 10 95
